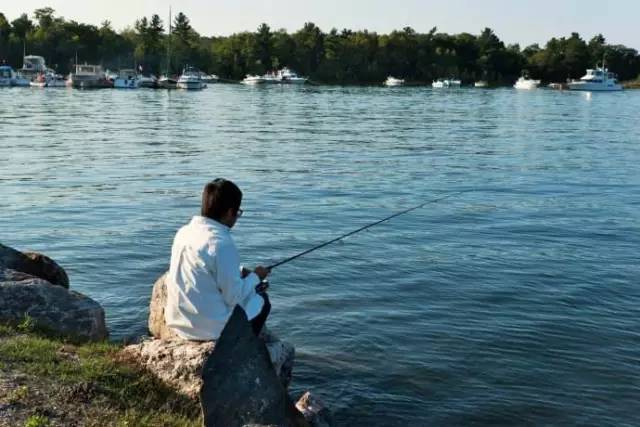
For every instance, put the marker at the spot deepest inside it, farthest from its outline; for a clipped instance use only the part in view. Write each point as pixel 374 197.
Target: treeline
pixel 344 57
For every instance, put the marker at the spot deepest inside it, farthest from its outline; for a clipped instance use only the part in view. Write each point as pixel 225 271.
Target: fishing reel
pixel 262 287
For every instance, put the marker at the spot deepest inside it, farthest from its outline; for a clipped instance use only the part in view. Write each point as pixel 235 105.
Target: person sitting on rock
pixel 205 281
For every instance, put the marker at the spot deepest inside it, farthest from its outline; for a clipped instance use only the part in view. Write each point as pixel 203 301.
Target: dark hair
pixel 218 197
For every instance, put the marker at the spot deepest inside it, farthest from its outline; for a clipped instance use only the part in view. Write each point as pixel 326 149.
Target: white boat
pixel 48 79
pixel 6 75
pixel 166 82
pixel 254 80
pixel 127 79
pixel 209 78
pixel 597 80
pixel 392 81
pixel 190 80
pixel 289 76
pixel 446 83
pixel 526 84
pixel 32 66
pixel 149 81
pixel 481 84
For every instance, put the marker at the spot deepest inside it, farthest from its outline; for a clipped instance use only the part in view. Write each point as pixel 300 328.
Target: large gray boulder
pixel 51 306
pixel 282 353
pixel 239 383
pixel 179 362
pixel 34 264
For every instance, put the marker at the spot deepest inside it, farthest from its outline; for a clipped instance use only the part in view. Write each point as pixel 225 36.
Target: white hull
pixel 524 84
pixel 595 87
pixel 446 84
pixel 393 82
pixel 126 83
pixel 481 84
pixel 189 85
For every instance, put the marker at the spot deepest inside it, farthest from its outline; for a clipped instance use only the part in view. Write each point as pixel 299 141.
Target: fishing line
pixel 351 233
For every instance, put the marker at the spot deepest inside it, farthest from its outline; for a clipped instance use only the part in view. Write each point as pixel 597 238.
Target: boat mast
pixel 169 47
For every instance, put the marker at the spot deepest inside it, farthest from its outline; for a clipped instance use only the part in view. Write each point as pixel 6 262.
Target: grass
pixel 53 380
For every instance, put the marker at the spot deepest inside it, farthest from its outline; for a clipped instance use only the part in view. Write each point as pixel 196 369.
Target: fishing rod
pixel 351 233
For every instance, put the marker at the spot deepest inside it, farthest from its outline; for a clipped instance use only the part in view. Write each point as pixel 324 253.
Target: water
pixel 516 303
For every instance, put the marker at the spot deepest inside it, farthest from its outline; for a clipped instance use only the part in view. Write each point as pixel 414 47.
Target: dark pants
pixel 258 322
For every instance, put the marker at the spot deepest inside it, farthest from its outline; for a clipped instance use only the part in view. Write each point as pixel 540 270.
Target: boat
pixel 209 78
pixel 6 75
pixel 48 79
pixel 557 86
pixel 446 83
pixel 166 82
pixel 150 81
pixel 392 81
pixel 127 79
pixel 88 77
pixel 289 76
pixel 32 66
pixel 526 83
pixel 597 80
pixel 190 80
pixel 481 84
pixel 254 80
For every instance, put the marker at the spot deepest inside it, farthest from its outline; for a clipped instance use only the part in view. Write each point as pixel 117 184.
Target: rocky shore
pixel 238 380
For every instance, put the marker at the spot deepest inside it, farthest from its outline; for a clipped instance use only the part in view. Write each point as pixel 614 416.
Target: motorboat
pixel 289 76
pixel 32 66
pixel 48 79
pixel 88 77
pixel 150 81
pixel 254 80
pixel 6 75
pixel 481 84
pixel 557 86
pixel 446 83
pixel 597 80
pixel 190 80
pixel 166 82
pixel 127 79
pixel 525 83
pixel 209 78
pixel 392 81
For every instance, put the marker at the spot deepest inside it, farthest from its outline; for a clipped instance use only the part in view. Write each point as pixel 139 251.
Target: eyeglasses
pixel 239 214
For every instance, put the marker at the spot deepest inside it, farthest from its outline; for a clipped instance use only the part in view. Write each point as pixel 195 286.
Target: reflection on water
pixel 511 304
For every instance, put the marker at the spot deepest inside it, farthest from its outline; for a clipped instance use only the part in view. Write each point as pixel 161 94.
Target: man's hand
pixel 262 272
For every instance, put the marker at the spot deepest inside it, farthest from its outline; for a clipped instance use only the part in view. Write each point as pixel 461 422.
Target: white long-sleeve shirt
pixel 204 282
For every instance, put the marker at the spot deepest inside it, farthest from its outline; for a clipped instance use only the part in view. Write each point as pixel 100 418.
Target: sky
pixel 515 21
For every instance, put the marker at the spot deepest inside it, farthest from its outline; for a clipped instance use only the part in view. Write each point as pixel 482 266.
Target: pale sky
pixel 514 21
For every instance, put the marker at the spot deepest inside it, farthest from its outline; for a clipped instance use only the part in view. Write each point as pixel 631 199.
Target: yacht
pixel 32 66
pixel 48 79
pixel 190 80
pixel 481 84
pixel 149 81
pixel 597 80
pixel 88 77
pixel 392 81
pixel 254 80
pixel 526 83
pixel 6 75
pixel 209 78
pixel 127 79
pixel 446 83
pixel 291 77
pixel 166 82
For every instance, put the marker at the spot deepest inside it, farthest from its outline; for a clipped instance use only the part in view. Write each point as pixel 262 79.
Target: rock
pixel 51 306
pixel 314 411
pixel 282 353
pixel 179 362
pixel 34 264
pixel 240 385
pixel 157 325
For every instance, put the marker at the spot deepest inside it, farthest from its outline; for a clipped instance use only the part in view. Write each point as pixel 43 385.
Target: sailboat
pixel 165 81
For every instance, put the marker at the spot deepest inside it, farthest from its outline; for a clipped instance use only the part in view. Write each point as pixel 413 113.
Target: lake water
pixel 514 303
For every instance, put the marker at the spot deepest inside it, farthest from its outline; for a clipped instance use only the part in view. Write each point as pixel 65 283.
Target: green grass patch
pixel 67 373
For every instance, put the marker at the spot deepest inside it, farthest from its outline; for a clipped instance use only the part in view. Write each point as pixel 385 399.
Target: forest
pixel 333 57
